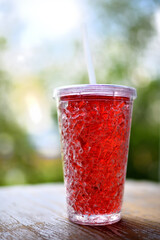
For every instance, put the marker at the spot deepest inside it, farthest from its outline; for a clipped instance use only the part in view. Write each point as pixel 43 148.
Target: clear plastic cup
pixel 94 122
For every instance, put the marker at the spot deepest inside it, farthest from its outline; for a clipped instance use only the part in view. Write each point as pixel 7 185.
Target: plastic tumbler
pixel 94 123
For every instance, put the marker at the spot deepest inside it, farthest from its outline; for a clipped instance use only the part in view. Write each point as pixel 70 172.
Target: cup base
pixel 95 220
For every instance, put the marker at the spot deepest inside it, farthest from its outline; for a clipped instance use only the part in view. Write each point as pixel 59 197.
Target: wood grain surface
pixel 39 212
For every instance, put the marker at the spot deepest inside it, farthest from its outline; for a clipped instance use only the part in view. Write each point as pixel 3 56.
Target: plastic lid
pixel 97 89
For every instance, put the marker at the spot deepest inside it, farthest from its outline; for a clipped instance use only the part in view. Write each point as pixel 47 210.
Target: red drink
pixel 95 137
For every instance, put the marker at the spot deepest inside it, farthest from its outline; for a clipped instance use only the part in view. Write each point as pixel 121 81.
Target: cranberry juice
pixel 95 137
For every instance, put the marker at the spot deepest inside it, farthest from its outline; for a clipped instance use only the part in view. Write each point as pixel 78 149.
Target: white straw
pixel 91 73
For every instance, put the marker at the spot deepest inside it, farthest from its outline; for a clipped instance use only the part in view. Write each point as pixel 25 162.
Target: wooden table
pixel 39 212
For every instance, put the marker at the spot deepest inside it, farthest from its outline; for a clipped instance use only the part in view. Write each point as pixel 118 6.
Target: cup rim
pixel 96 89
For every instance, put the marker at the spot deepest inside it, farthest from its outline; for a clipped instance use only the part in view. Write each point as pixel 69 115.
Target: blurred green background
pixel 41 48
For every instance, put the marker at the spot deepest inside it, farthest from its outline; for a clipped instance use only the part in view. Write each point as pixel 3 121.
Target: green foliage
pixel 144 142
pixel 16 149
pixel 3 43
pixel 133 20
